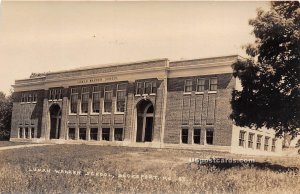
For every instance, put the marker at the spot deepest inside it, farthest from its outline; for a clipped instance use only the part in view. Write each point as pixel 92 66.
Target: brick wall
pixel 205 110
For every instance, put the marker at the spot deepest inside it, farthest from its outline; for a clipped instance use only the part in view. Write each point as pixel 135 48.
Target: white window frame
pixel 185 92
pixel 70 102
pixel 116 99
pixel 81 97
pixel 209 84
pixel 91 106
pixel 200 92
pixel 103 102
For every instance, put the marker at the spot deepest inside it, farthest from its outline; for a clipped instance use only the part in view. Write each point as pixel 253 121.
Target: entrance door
pixel 145 115
pixel 55 121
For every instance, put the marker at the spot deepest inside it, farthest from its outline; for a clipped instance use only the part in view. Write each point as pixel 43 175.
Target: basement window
pixel 197 133
pixel 105 134
pixel 209 136
pixel 82 133
pixel 93 133
pixel 72 133
pixel 184 136
pixel 118 134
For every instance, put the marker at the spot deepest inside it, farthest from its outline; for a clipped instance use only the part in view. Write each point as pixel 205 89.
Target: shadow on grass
pixel 225 164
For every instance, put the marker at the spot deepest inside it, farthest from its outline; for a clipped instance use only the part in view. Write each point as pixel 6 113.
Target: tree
pixel 270 76
pixel 5 115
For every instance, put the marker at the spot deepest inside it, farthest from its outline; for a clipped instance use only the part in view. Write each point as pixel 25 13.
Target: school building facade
pixel 154 103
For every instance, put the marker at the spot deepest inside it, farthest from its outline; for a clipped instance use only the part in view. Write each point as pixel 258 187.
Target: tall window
pixel 197 133
pixel 209 136
pixel 107 99
pixel 184 136
pixel 23 98
pixel 34 97
pixel 242 138
pixel 121 93
pixel 258 142
pixel 266 145
pixel 213 84
pixel 139 88
pixel 200 85
pixel 118 134
pixel 250 140
pixel 154 87
pixel 55 94
pixel 84 100
pixel 148 88
pixel 74 100
pixel 188 85
pixel 93 133
pixel 105 134
pixel 273 145
pixel 96 99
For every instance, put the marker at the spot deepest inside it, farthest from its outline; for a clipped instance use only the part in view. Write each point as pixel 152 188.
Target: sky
pixel 51 36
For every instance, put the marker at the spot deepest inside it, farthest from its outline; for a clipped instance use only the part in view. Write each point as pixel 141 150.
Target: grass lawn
pixel 98 169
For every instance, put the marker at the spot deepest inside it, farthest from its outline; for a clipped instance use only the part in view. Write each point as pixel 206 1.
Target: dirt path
pixel 22 146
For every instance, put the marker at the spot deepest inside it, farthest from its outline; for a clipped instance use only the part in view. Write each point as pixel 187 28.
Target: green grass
pixel 171 167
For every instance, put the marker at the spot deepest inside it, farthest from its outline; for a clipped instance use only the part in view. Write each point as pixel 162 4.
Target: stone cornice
pixel 160 69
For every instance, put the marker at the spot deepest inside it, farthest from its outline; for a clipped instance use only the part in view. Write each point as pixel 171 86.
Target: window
pixel 184 136
pixel 23 98
pixel 197 133
pixel 107 99
pixel 29 97
pixel 121 93
pixel 250 140
pixel 118 134
pixel 273 145
pixel 26 133
pixel 20 132
pixel 105 134
pixel 74 99
pixel 200 85
pixel 32 132
pixel 82 133
pixel 148 88
pixel 258 142
pixel 266 145
pixel 213 82
pixel 154 87
pixel 139 88
pixel 84 100
pixel 209 136
pixel 55 94
pixel 72 133
pixel 188 86
pixel 93 133
pixel 242 138
pixel 96 99
pixel 34 97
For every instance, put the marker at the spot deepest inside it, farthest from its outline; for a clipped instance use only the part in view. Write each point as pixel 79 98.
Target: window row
pixel 259 138
pixel 26 133
pixel 29 97
pixel 96 95
pixel 103 134
pixel 55 94
pixel 209 136
pixel 200 87
pixel 146 87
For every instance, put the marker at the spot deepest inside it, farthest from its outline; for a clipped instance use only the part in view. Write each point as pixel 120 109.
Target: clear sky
pixel 51 36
